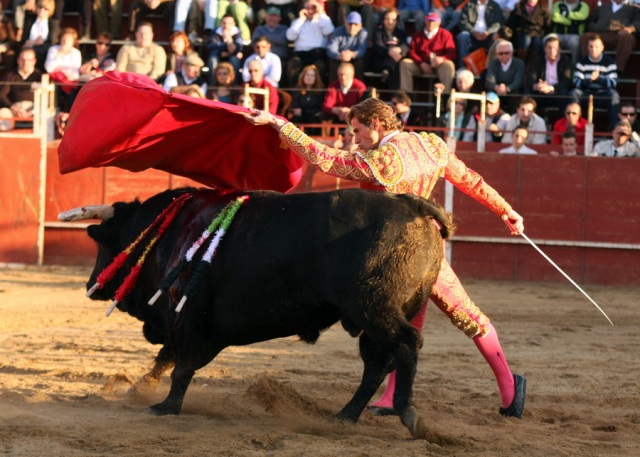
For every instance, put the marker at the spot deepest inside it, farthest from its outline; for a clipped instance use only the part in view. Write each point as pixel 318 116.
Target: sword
pixel 565 275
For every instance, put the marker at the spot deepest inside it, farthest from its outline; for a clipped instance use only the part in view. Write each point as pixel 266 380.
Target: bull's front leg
pixel 163 362
pixel 180 379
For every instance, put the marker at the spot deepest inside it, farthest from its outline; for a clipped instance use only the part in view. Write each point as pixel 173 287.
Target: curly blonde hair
pixel 374 108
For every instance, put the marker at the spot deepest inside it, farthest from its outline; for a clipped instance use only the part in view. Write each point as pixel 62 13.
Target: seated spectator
pixel 100 61
pixel 464 122
pixel 569 145
pixel 348 44
pixel 504 34
pixel 287 11
pixel 596 74
pixel 84 7
pixel 615 22
pixel 272 67
pixel 179 48
pixel 628 112
pixel 527 118
pixel 239 10
pixel 519 137
pixel 63 65
pixel 390 46
pixel 465 80
pixel 401 104
pixel 450 12
pixel 343 94
pixel 8 43
pixel 380 7
pixel 569 20
pixel 480 21
pixel 432 51
pixel 257 80
pixel 507 6
pixel 143 56
pixel 364 10
pixel 496 119
pixel 530 21
pixel 506 73
pixel 191 90
pixel 16 94
pixel 413 10
pixel 307 98
pixel 572 122
pixel 619 146
pixel 225 44
pixel 142 8
pixel 224 77
pixel 107 16
pixel 549 78
pixel 275 32
pixel 247 100
pixel 188 75
pixel 310 34
pixel 39 30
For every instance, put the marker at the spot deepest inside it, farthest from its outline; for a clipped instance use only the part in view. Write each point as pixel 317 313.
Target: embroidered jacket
pixel 408 163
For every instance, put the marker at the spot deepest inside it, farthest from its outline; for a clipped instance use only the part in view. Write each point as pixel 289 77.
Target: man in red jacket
pixel 257 80
pixel 343 94
pixel 432 51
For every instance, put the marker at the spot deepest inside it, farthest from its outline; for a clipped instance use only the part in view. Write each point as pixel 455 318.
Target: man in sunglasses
pixel 619 145
pixel 101 60
pixel 629 112
pixel 571 122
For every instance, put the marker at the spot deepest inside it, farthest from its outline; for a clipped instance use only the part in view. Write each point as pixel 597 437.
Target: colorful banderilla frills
pixel 221 224
pixel 164 219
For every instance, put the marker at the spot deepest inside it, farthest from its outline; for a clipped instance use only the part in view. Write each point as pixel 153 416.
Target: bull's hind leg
pixel 377 363
pixel 397 346
pixel 163 362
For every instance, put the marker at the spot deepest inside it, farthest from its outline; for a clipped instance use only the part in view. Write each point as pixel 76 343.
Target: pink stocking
pixel 386 401
pixel 489 347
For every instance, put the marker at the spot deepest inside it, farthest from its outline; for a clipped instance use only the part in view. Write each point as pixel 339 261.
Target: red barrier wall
pixel 570 199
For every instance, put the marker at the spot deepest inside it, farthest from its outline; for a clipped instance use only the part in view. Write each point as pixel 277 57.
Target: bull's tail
pixel 427 208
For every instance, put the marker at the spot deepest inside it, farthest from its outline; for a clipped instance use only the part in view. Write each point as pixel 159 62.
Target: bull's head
pixel 108 235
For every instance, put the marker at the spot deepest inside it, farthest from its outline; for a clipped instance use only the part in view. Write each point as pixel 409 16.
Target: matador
pixel 388 159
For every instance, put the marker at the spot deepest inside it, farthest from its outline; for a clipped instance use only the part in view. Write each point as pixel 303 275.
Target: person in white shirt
pixel 65 57
pixel 619 146
pixel 519 136
pixel 526 117
pixel 271 64
pixel 310 35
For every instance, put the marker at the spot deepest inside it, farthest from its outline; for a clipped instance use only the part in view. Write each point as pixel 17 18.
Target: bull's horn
pixel 102 212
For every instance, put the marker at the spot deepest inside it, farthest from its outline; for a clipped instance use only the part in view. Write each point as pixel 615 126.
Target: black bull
pixel 290 264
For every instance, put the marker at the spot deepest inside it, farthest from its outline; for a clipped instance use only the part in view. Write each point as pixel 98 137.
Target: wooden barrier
pixel 584 212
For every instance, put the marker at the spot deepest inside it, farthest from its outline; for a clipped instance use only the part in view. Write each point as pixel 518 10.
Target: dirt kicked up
pixel 68 382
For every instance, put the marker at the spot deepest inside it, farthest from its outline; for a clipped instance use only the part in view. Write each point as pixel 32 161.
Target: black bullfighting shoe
pixel 517 405
pixel 382 411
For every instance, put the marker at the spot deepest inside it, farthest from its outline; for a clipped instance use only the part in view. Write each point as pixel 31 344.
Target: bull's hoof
pixel 345 417
pixel 162 409
pixel 411 420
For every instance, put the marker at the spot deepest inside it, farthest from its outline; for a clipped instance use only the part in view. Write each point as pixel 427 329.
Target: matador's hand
pixel 259 117
pixel 514 221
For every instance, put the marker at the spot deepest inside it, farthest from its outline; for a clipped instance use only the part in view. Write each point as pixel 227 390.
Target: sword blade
pixel 565 275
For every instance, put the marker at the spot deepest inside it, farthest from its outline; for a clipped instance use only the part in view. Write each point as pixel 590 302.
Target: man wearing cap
pixel 364 7
pixel 271 65
pixel 432 51
pixel 548 80
pixel 619 146
pixel 496 119
pixel 188 75
pixel 348 44
pixel 287 10
pixel 275 32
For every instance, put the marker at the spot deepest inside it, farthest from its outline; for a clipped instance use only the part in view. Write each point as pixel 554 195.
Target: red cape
pixel 126 120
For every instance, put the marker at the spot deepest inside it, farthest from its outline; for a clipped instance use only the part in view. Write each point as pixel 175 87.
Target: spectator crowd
pixel 531 57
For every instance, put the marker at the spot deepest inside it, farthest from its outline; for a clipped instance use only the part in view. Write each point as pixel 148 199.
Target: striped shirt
pixel 608 78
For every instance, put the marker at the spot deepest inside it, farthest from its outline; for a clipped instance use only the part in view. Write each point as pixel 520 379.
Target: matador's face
pixel 367 137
